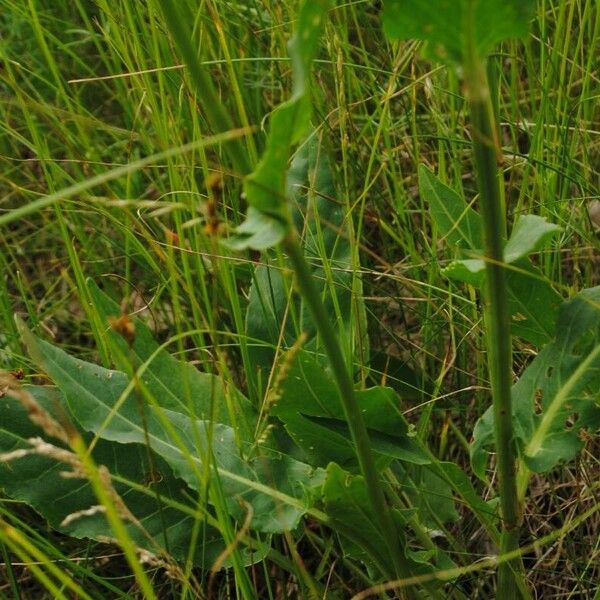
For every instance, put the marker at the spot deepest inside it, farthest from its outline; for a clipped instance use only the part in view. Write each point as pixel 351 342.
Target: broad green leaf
pixel 103 402
pixel 174 384
pixel 157 499
pixel 444 24
pixel 259 231
pixel 347 504
pixel 265 188
pixel 556 398
pixel 310 408
pixel 433 498
pixel 321 218
pixel 268 310
pixel 528 290
pixel 438 488
pixel 469 270
pixel 530 234
pixel 466 494
pixel 458 223
pixel 327 439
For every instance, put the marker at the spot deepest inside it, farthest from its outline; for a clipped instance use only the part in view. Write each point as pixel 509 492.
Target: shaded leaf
pixel 347 504
pixel 463 488
pixel 556 398
pixel 433 498
pixel 276 486
pixel 320 216
pixel 436 489
pixel 458 223
pixel 403 378
pixel 150 490
pixel 311 410
pixel 528 291
pixel 174 384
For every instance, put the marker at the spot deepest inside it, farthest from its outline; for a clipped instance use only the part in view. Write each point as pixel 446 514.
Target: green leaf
pixel 310 408
pixel 347 503
pixel 530 234
pixel 470 270
pixel 462 486
pixel 321 218
pixel 433 498
pixel 102 401
pixel 528 290
pixel 458 223
pixel 556 398
pixel 269 299
pixel 174 384
pixel 157 499
pixel 437 488
pixel 259 231
pixel 265 188
pixel 444 24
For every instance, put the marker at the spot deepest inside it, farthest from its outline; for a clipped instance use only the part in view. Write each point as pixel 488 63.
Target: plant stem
pixel 497 316
pixel 354 418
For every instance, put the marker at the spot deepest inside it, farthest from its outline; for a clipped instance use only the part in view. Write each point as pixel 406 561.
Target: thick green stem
pixel 497 317
pixel 354 418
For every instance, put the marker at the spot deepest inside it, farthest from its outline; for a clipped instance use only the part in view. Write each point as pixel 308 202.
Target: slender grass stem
pixel 217 116
pixel 10 573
